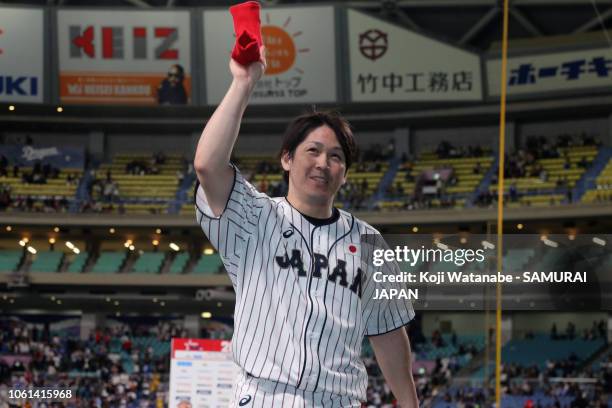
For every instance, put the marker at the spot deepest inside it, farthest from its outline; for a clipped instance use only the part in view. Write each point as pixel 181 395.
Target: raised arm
pixel 215 146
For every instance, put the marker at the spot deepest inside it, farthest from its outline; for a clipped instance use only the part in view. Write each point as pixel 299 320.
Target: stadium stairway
pixel 81 192
pixel 183 194
pixel 486 180
pixel 386 180
pixel 587 181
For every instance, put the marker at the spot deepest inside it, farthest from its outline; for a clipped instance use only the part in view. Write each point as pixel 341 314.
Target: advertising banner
pixel 21 55
pixel 563 71
pixel 124 57
pixel 390 63
pixel 61 157
pixel 300 44
pixel 202 373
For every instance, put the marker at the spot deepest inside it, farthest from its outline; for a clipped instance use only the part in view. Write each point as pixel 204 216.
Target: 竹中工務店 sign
pixel 391 64
pixel 202 373
pixel 562 71
pixel 122 56
pixel 300 53
pixel 21 55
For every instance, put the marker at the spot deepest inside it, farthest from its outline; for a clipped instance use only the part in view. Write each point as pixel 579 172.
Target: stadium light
pixel 60 109
pixel 158 231
pixel 162 303
pixel 599 241
pixel 11 300
pixel 132 247
pixel 154 300
pixel 519 226
pixel 442 246
pixel 52 240
pixel 70 245
pixel 76 250
pixel 111 230
pixel 155 242
pixel 108 299
pixel 550 243
pixel 488 245
pixel 415 229
pixel 219 304
pixel 174 247
pixel 125 244
pixel 22 243
pixel 59 301
pixel 116 303
pixel 463 240
pixel 53 298
pixel 26 239
pixel 56 229
pixel 571 237
pixel 543 237
pixel 11 108
pixel 9 228
pixel 206 315
pixel 209 251
pixel 118 314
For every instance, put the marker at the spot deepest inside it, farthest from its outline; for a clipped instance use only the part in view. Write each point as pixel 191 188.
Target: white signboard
pixel 21 55
pixel 123 56
pixel 301 55
pixel 553 72
pixel 202 373
pixel 390 63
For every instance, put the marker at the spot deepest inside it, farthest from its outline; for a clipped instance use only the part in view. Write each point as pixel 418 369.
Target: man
pixel 171 91
pixel 304 289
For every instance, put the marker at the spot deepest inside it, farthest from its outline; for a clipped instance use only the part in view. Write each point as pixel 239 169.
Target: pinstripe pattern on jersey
pixel 299 319
pixel 254 393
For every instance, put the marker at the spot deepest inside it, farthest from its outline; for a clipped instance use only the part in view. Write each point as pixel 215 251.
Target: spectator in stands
pixel 5 196
pixel 3 166
pixel 570 331
pixel 389 151
pixel 553 332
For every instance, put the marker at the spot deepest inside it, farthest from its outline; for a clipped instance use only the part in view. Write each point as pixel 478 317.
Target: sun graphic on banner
pixel 281 50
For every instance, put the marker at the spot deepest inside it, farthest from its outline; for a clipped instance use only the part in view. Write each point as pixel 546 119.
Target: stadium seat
pixel 46 261
pixel 78 263
pixel 179 263
pixel 208 264
pixel 149 262
pixel 9 260
pixel 109 262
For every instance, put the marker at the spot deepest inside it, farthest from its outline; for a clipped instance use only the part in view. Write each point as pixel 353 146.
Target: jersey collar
pixel 318 222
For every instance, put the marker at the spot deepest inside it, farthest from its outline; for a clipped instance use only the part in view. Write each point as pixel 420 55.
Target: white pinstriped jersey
pixel 303 292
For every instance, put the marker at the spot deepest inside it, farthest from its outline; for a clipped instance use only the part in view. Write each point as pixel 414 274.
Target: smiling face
pixel 317 167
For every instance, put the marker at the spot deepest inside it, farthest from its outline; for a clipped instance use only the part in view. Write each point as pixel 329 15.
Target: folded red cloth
pixel 247 27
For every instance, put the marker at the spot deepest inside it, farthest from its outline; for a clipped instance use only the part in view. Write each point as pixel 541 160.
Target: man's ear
pixel 345 178
pixel 286 161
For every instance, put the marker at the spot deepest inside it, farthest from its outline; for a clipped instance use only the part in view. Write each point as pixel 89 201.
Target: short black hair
pixel 300 128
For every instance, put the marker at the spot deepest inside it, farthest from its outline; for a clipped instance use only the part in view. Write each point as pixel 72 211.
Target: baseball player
pixel 304 288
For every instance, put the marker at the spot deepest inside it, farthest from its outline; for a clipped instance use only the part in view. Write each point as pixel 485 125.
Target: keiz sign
pixel 21 55
pixel 389 63
pixel 112 57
